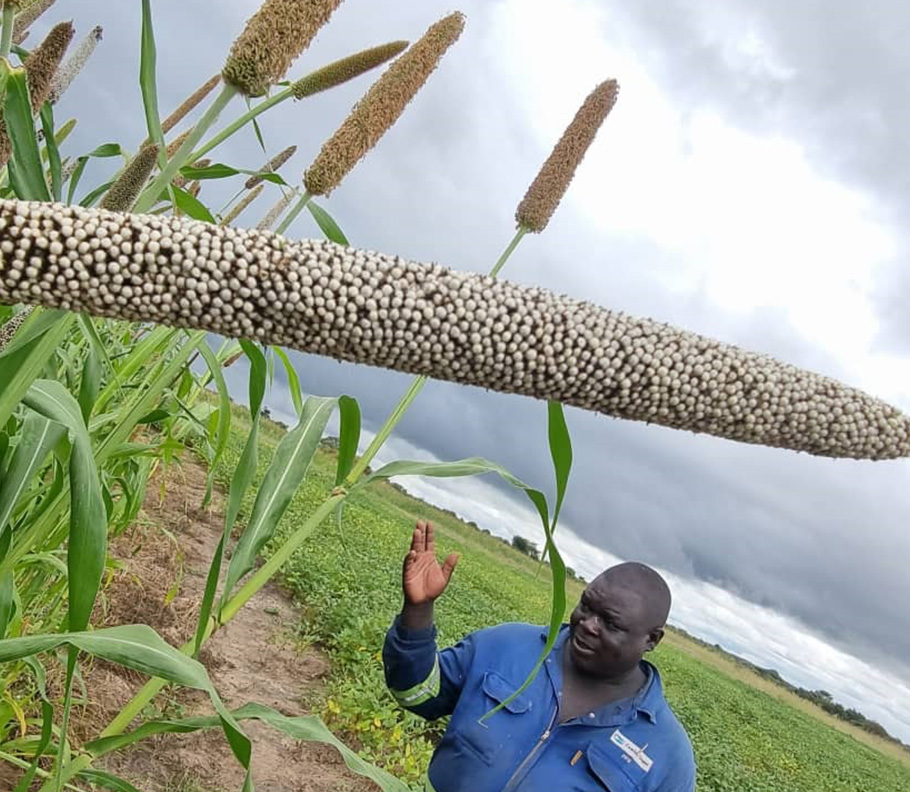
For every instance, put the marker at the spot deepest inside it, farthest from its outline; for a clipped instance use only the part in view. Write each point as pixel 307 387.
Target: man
pixel 595 718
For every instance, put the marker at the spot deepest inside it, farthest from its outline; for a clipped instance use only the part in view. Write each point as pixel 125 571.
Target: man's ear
pixel 654 638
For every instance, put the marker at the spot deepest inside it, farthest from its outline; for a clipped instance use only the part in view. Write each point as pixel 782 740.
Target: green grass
pixel 347 581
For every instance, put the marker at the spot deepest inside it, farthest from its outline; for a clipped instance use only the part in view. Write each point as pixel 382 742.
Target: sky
pixel 750 185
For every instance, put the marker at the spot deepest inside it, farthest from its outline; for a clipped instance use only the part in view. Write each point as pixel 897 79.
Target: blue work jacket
pixel 633 745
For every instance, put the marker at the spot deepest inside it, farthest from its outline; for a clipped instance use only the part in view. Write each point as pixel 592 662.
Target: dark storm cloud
pixel 822 540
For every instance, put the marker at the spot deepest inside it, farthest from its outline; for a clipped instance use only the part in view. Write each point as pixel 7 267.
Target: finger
pixel 431 544
pixel 409 559
pixel 417 539
pixel 448 566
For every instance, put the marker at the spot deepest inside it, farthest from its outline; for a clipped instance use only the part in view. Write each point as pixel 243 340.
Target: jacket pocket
pixel 608 771
pixel 499 689
pixel 495 738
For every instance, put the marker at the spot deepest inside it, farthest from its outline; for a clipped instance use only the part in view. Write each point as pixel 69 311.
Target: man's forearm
pixel 416 617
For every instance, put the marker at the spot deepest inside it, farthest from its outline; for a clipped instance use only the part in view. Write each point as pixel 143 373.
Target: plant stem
pixel 292 215
pixel 6 37
pixel 383 434
pixel 279 557
pixel 519 234
pixel 151 193
pixel 416 386
pixel 234 126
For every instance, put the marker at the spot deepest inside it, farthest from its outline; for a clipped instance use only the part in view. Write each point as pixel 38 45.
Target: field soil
pixel 165 558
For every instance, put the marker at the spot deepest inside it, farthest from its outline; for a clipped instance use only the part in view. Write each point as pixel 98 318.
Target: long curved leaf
pixel 287 469
pixel 560 452
pixel 87 545
pixel 38 436
pixel 348 436
pixel 308 728
pixel 293 379
pixel 139 647
pixel 472 466
pixel 223 429
pixel 35 342
pixel 26 173
pixel 240 482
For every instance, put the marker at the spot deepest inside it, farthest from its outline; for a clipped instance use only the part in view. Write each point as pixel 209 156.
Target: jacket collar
pixel 648 700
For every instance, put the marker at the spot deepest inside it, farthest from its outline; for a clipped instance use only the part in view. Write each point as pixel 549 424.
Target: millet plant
pixel 107 298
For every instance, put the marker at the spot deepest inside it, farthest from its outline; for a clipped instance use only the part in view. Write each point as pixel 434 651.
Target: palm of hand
pixel 423 577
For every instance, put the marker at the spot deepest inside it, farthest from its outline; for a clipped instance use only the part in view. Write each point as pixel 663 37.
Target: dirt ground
pixel 164 560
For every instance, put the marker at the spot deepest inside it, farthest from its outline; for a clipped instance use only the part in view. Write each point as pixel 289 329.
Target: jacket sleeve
pixel 421 679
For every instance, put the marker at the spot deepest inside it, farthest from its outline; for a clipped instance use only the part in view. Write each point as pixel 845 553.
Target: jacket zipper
pixel 520 773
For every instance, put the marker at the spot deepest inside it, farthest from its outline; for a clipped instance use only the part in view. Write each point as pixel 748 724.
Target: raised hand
pixel 423 578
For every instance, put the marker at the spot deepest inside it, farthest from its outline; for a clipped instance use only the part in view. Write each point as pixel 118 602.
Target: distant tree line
pixel 821 698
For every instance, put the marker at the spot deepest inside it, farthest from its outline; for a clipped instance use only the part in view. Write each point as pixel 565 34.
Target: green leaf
pixel 53 153
pixel 326 224
pixel 7 587
pixel 26 172
pixel 25 358
pixel 139 647
pixel 473 466
pixel 240 482
pixel 89 383
pixel 348 437
pixel 274 178
pixel 89 200
pixel 191 206
pixel 37 437
pixel 306 728
pixel 560 452
pixel 286 471
pixel 104 780
pixel 148 81
pixel 87 545
pixel 108 150
pixel 215 171
pixel 258 132
pixel 258 374
pixel 223 429
pixel 135 646
pixel 293 379
pixel 155 416
pixel 47 731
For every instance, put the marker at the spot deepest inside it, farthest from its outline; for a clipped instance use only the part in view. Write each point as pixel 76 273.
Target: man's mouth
pixel 581 647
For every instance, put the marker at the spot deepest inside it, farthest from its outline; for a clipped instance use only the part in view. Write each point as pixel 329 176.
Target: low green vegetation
pixel 347 581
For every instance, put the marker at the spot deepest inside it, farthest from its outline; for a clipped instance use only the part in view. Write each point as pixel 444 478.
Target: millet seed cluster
pixel 385 311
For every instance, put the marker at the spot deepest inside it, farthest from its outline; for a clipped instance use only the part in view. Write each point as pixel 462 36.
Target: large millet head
pixel 367 307
pixel 272 39
pixel 44 61
pixel 28 13
pixel 381 106
pixel 552 181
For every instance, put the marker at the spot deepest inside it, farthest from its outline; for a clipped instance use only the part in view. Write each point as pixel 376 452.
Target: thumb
pixel 448 566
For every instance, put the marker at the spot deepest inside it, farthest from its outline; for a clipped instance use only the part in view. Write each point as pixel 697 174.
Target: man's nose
pixel 589 624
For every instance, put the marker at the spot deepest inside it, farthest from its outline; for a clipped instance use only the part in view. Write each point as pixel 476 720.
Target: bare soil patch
pixel 163 562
